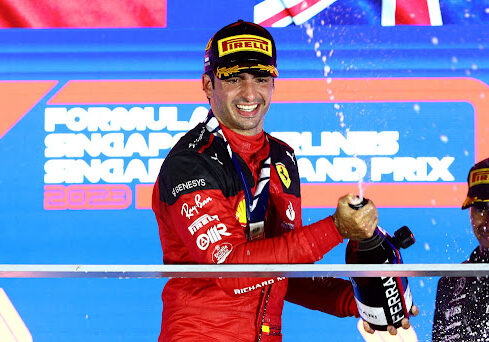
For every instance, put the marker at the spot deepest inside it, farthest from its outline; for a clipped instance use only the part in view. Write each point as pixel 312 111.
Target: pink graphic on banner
pixel 87 196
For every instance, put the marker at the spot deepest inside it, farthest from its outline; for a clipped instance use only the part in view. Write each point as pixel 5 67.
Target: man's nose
pixel 248 90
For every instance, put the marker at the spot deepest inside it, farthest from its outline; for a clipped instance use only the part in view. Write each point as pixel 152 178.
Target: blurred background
pixel 384 98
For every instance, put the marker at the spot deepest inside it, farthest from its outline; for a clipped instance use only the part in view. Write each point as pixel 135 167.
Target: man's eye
pixel 232 80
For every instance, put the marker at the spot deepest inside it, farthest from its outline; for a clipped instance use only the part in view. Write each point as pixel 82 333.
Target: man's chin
pixel 249 121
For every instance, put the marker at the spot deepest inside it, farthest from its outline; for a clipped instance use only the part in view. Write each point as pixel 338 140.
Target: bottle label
pixel 374 315
pixel 378 316
pixel 394 287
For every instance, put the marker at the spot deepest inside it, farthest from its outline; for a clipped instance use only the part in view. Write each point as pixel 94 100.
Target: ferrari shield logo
pixel 283 174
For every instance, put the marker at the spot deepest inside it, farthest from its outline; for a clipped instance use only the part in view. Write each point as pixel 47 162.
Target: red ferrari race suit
pixel 199 203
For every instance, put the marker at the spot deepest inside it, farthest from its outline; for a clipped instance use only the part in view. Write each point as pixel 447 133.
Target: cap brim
pixel 472 201
pixel 468 202
pixel 257 69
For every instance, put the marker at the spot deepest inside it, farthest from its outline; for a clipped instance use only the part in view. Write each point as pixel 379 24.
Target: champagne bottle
pixel 381 301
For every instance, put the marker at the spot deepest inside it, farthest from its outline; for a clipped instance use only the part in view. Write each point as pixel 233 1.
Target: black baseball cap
pixel 478 181
pixel 241 47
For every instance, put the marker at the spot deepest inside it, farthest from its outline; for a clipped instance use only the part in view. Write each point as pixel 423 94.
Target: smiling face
pixel 240 102
pixel 479 218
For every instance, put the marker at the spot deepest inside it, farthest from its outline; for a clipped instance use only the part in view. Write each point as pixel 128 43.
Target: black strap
pixel 256 205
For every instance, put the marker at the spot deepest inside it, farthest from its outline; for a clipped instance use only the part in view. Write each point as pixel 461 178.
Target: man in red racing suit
pixel 206 215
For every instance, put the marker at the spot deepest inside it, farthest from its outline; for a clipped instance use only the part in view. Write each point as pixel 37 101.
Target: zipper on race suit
pixel 264 311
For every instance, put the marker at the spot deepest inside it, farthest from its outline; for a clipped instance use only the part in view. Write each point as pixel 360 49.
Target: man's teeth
pixel 247 108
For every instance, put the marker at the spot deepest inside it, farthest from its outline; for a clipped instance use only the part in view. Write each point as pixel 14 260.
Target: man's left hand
pixel 393 331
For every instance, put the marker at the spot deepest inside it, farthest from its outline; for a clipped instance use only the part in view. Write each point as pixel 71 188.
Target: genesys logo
pixel 105 139
pixel 188 185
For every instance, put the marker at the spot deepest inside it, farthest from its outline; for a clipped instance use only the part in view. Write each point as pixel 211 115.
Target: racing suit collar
pixel 248 144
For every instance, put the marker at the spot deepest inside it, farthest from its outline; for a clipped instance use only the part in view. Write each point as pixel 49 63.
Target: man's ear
pixel 207 85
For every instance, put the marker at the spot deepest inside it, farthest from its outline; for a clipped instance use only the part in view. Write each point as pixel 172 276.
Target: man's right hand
pixel 355 224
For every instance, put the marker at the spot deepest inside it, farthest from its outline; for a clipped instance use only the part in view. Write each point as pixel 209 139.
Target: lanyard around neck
pixel 256 205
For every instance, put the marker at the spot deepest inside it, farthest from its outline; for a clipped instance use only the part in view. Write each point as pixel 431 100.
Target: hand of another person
pixel 355 224
pixel 393 331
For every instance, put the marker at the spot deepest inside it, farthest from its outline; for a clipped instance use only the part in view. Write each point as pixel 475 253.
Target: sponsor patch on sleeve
pixel 221 252
pixel 188 185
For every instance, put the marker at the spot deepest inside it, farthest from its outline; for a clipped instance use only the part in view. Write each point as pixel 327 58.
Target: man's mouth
pixel 247 108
